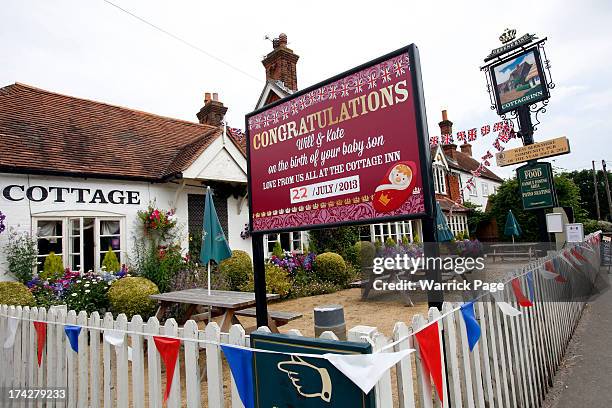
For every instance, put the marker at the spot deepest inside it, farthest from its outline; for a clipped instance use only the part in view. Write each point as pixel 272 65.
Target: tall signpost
pixel 350 150
pixel 518 81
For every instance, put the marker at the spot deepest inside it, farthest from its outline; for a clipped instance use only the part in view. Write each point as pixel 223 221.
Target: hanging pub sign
pixel 286 381
pixel 352 149
pixel 519 80
pixel 516 74
pixel 536 186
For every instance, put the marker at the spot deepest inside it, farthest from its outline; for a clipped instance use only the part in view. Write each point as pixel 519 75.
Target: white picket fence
pixel 512 365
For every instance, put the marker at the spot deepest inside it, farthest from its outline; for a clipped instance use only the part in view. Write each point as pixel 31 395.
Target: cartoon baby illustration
pixel 396 187
pixel 399 178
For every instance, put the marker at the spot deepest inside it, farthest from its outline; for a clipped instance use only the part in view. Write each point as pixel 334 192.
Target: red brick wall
pixel 452 188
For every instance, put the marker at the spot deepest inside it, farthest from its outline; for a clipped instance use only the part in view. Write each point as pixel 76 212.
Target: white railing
pixel 511 366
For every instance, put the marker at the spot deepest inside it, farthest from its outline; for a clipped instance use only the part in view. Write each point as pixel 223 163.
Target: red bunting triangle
pixel 578 255
pixel 560 279
pixel 429 347
pixel 550 266
pixel 522 299
pixel 41 338
pixel 168 350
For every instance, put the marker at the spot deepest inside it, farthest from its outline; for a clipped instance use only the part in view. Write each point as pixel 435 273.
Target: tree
pixel 339 240
pixel 508 197
pixel 584 180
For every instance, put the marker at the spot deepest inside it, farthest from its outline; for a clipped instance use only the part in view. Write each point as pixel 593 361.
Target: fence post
pixel 236 336
pixel 108 323
pixel 71 365
pixel 451 341
pixel 192 369
pixel 94 360
pixel 174 398
pixel 423 378
pixel 154 370
pixel 214 369
pixel 122 364
pixel 138 382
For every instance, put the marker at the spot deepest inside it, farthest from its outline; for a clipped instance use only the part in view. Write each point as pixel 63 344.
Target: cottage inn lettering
pixel 56 194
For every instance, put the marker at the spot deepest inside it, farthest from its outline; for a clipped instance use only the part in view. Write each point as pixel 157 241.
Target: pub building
pixel 75 172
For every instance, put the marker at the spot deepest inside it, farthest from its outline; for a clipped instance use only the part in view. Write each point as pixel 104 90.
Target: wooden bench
pixel 275 318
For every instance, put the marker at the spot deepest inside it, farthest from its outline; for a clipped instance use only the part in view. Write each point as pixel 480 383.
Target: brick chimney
pixel 446 126
pixel 466 148
pixel 213 111
pixel 281 63
pixel 450 150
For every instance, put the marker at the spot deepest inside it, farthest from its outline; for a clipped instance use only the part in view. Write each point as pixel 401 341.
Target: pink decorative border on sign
pixel 343 213
pixel 355 84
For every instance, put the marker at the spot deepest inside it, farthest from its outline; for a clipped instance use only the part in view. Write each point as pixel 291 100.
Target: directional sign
pixel 536 186
pixel 548 148
pixel 285 381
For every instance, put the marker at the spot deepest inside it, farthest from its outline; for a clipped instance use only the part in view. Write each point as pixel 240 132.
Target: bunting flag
pixel 578 255
pixel 505 307
pixel 461 136
pixel 72 332
pixel 530 285
pixel 13 322
pixel 568 259
pixel 498 126
pixel 472 134
pixel 471 324
pixel 41 338
pixel 518 292
pixel 240 361
pixel 498 146
pixel 447 139
pixel 168 350
pixel 365 370
pixel 114 337
pixel 485 130
pixel 433 140
pixel 429 347
pixel 548 271
pixel 559 278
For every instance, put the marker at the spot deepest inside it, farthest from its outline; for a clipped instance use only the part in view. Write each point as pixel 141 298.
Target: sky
pixel 92 50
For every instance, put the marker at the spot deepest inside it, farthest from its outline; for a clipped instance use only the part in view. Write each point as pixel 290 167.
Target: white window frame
pixel 66 234
pixel 395 230
pixel 485 189
pixel 301 240
pixel 439 179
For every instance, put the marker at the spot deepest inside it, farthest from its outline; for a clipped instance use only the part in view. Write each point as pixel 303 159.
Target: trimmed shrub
pixel 236 269
pixel 390 243
pixel 53 267
pixel 110 262
pixel 277 281
pixel 366 251
pixel 277 250
pixel 130 295
pixel 15 293
pixel 332 268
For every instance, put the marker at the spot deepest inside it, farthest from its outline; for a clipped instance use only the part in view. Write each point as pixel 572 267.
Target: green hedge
pixel 130 295
pixel 15 293
pixel 277 281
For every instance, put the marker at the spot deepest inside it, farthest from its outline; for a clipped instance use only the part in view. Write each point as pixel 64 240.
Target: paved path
pixel 585 378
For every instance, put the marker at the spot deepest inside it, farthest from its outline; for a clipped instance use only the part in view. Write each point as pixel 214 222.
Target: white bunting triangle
pixel 505 307
pixel 114 337
pixel 546 274
pixel 12 328
pixel 366 369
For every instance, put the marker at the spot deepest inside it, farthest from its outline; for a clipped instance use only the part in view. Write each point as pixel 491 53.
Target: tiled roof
pixel 46 132
pixel 446 204
pixel 465 162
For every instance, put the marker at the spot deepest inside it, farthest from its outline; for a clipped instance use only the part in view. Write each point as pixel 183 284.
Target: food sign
pixel 348 150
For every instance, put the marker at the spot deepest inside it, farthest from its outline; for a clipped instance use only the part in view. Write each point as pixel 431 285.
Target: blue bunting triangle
pixel 471 324
pixel 530 284
pixel 72 332
pixel 241 364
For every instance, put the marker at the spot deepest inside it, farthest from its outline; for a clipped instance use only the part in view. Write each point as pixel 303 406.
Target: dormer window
pixel 439 180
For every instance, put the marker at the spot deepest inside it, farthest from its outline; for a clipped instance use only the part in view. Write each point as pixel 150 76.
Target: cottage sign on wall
pixel 348 150
pixel 58 194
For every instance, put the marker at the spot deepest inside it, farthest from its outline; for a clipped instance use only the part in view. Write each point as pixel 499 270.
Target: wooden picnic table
pixel 228 302
pixel 515 249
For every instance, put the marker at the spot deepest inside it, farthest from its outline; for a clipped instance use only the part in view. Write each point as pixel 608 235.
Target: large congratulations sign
pixel 348 150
